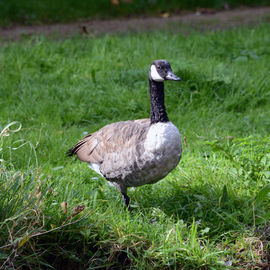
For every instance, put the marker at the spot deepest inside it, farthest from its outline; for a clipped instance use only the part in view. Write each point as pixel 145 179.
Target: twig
pixel 14 251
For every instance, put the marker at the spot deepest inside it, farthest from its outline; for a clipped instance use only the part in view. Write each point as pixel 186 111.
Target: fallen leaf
pixel 78 209
pixel 64 206
pixel 115 2
pixel 165 15
pixel 185 141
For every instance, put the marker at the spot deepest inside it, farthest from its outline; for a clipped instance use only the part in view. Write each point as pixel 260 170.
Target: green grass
pixel 212 211
pixel 43 11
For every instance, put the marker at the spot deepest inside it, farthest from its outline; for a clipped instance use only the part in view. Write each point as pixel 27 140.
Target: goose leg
pixel 126 199
pixel 123 191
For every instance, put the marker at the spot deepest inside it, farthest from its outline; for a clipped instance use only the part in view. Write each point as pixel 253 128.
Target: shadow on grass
pixel 219 210
pixel 70 250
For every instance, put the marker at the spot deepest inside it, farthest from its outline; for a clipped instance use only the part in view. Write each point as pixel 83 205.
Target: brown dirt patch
pixel 177 23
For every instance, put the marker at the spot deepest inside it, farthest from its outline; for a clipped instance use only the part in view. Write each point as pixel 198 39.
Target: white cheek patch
pixel 154 74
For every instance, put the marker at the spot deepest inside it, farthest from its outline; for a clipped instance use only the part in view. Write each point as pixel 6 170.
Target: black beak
pixel 171 76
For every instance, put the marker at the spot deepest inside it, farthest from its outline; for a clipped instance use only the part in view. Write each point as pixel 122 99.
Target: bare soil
pixel 203 20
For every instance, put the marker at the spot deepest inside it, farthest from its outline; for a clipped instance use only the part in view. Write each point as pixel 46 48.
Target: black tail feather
pixel 72 151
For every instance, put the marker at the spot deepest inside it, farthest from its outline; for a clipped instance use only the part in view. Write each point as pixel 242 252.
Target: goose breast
pixel 158 154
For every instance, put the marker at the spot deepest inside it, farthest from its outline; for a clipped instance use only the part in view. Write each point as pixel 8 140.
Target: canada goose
pixel 136 152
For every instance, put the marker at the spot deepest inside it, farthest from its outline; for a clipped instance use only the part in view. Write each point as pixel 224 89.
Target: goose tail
pixel 73 150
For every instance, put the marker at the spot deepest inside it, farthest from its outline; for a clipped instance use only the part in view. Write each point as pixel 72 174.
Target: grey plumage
pixel 114 147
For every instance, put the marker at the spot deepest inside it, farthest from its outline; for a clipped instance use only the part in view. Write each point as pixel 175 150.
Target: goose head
pixel 161 70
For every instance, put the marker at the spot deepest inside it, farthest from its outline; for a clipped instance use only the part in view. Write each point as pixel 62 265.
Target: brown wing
pixel 114 143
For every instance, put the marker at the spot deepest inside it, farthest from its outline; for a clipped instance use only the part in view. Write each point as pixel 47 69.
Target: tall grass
pixel 211 212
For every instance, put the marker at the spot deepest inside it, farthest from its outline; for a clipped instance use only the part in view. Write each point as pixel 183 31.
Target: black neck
pixel 158 110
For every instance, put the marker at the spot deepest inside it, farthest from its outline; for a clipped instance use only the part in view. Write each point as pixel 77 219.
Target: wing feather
pixel 113 146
